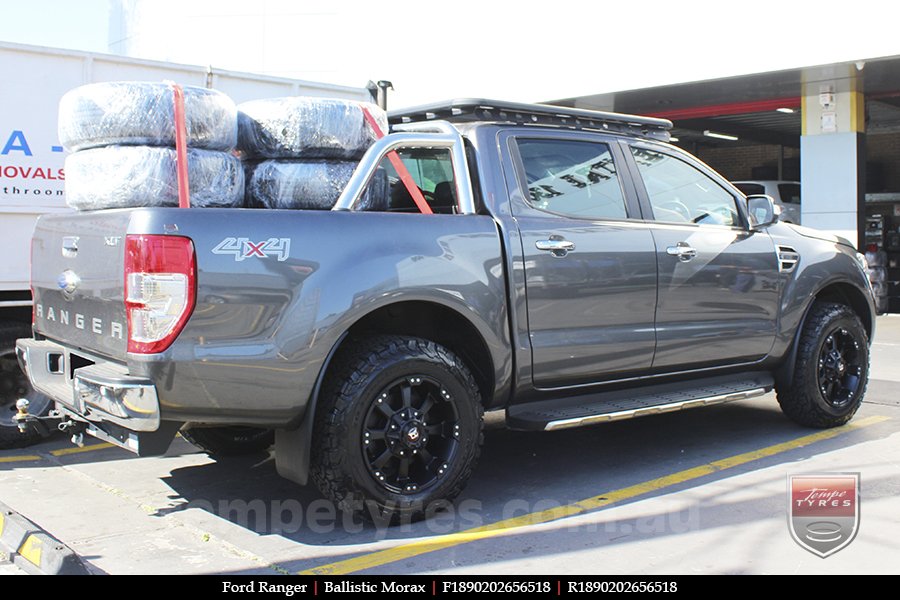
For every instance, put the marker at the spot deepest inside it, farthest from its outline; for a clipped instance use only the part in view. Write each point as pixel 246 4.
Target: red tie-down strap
pixel 181 159
pixel 401 169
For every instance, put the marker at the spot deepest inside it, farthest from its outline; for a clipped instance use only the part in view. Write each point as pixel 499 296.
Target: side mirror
pixel 762 211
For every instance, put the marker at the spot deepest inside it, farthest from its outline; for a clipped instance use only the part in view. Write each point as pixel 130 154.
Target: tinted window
pixel 432 172
pixel 576 179
pixel 750 189
pixel 681 193
pixel 789 192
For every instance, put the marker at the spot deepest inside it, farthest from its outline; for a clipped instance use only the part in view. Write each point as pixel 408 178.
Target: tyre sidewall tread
pixel 802 401
pixel 338 466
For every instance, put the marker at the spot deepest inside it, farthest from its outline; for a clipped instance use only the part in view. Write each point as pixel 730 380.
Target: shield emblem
pixel 823 511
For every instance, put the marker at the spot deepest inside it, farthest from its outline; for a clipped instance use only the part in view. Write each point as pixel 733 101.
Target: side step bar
pixel 636 402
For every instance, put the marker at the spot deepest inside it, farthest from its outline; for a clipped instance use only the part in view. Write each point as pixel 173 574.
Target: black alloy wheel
pixel 840 368
pixel 398 428
pixel 828 381
pixel 411 433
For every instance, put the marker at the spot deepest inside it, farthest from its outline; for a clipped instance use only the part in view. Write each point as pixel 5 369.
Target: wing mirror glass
pixel 762 210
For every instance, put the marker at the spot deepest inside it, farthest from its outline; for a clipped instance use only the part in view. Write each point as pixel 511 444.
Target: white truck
pixel 32 177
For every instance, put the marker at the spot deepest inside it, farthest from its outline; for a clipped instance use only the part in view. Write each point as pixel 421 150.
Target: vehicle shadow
pixel 519 473
pixel 59 451
pixel 607 541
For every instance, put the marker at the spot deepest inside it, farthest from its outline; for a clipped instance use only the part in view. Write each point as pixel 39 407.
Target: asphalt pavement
pixel 702 491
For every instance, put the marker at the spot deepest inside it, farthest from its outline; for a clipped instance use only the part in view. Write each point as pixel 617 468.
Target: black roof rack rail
pixel 463 110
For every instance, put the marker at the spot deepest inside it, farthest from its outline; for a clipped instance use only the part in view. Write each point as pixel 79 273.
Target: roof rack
pixel 462 110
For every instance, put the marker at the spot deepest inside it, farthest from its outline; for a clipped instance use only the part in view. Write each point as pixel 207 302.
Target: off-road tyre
pixel 831 370
pixel 432 397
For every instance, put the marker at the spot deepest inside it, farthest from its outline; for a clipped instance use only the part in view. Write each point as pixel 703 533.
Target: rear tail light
pixel 160 290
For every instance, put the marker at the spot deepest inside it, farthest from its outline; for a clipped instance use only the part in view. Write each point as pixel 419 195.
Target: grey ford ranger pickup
pixel 576 269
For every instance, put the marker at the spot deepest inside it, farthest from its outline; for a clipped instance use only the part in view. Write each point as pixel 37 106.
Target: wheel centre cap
pixel 413 435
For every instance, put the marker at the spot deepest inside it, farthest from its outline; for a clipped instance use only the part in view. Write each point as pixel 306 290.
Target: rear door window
pixel 432 171
pixel 576 179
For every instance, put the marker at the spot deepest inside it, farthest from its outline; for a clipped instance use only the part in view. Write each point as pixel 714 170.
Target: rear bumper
pixel 98 392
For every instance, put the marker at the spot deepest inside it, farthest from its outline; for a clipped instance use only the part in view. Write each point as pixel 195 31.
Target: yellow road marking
pixel 24 457
pixel 60 452
pixel 31 550
pixel 91 448
pixel 419 547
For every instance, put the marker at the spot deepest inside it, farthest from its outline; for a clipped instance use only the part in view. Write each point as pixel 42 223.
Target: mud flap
pixel 292 454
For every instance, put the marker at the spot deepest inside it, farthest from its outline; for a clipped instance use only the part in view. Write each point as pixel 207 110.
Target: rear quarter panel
pixel 262 327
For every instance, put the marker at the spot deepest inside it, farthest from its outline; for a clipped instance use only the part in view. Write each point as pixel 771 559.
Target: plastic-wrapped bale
pixel 300 127
pixel 135 176
pixel 140 113
pixel 310 185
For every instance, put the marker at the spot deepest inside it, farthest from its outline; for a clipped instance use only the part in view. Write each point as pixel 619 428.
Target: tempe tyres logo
pixel 823 515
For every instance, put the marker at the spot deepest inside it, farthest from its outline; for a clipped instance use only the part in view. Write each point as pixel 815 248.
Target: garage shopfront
pixel 822 140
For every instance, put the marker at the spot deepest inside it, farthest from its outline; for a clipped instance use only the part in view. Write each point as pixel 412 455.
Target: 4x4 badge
pixel 243 248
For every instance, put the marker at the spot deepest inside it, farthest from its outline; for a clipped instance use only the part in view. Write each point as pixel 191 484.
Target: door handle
pixel 682 251
pixel 556 246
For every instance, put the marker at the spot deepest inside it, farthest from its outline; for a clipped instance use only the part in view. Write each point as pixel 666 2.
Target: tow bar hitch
pixel 24 419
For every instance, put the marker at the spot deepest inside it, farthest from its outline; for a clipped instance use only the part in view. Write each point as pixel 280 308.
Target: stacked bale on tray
pixel 122 139
pixel 300 152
